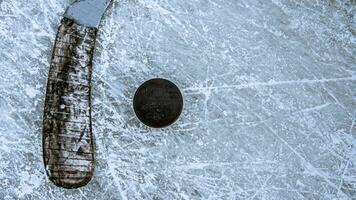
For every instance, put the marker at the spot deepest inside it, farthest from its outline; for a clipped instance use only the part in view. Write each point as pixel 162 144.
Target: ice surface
pixel 269 99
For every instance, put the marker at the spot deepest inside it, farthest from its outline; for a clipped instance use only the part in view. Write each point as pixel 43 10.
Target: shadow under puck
pixel 158 103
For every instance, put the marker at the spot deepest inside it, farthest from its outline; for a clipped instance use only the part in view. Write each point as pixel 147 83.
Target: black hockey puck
pixel 158 103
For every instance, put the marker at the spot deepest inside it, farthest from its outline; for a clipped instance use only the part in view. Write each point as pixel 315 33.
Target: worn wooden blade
pixel 68 148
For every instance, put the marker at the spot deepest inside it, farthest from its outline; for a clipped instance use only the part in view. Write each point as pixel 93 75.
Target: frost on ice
pixel 269 91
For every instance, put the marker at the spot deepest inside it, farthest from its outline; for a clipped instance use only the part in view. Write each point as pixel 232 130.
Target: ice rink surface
pixel 269 91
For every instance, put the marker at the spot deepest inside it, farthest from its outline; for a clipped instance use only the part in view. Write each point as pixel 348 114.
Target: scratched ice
pixel 269 99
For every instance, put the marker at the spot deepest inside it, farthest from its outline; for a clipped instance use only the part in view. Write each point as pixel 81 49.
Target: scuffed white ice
pixel 269 100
